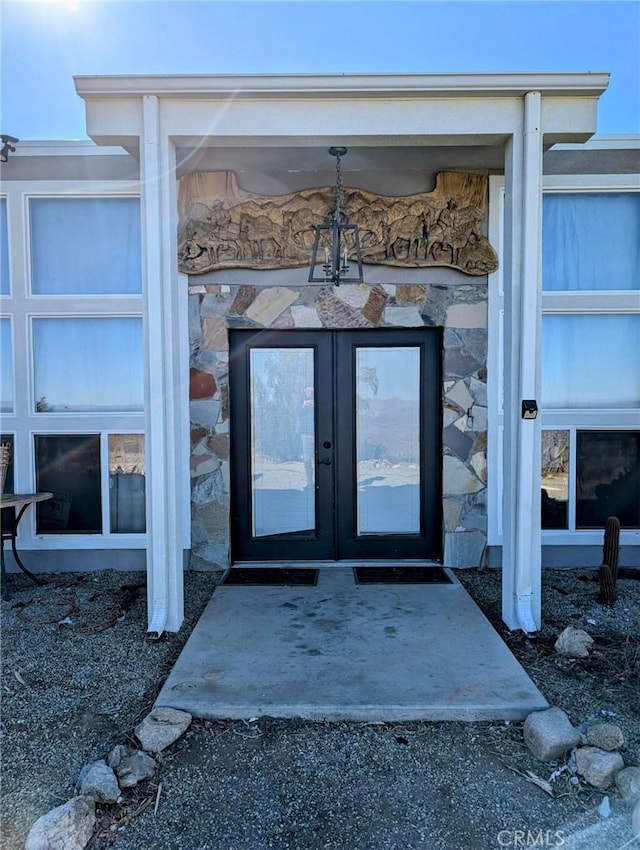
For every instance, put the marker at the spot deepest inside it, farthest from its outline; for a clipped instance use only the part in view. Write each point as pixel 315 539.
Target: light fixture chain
pixel 339 193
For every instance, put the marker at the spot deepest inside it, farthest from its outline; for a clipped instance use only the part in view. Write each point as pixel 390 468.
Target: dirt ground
pixel 79 672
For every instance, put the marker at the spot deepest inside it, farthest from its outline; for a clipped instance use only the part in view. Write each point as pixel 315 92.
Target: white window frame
pixel 23 307
pixel 603 302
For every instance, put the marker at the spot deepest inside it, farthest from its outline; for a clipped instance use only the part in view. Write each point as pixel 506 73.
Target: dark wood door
pixel 336 445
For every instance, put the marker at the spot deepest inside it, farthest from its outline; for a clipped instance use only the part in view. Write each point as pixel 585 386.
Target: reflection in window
pixel 68 465
pixel 126 483
pixel 6 367
pixel 591 361
pixel 555 478
pixel 4 249
pixel 88 364
pixel 607 478
pixel 8 482
pixel 85 246
pixel 388 440
pixel 591 241
pixel 283 440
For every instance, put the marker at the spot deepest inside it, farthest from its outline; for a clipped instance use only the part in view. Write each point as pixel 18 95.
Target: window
pixel 591 241
pixel 4 249
pixel 590 361
pixel 70 466
pixel 6 367
pixel 85 246
pixel 87 364
pixel 607 478
pixel 71 344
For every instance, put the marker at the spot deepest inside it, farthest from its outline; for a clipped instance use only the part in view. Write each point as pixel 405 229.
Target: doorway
pixel 336 445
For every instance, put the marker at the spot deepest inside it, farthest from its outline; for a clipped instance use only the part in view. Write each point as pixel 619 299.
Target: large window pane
pixel 590 361
pixel 607 478
pixel 555 478
pixel 388 440
pixel 127 483
pixel 591 241
pixel 282 440
pixel 4 249
pixel 85 246
pixel 6 367
pixel 68 465
pixel 85 365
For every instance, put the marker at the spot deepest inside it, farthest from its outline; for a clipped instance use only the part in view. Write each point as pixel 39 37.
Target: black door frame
pixel 336 537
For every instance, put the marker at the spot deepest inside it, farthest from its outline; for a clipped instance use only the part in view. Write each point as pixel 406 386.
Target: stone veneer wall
pixel 460 308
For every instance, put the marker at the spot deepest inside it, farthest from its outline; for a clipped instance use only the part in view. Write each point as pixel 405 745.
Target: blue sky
pixel 43 44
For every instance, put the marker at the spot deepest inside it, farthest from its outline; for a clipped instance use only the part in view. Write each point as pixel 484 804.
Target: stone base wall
pixel 461 309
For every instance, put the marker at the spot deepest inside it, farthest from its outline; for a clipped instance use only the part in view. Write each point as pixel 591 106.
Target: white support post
pixel 163 381
pixel 521 551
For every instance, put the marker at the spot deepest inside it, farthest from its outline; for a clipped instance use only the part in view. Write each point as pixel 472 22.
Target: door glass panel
pixel 388 440
pixel 282 440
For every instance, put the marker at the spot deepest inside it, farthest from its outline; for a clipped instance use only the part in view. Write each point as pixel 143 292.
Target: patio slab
pixel 344 651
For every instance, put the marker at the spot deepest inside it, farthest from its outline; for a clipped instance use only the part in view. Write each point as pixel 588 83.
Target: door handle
pixel 325 462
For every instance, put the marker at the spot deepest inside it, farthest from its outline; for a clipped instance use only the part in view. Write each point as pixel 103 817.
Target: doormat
pixel 401 575
pixel 272 577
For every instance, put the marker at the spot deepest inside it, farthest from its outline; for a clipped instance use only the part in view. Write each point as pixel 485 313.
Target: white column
pixel 164 382
pixel 521 551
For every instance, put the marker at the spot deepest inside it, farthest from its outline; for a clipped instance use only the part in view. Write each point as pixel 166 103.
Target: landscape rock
pixel 99 781
pixel 130 766
pixel 628 784
pixel 598 767
pixel 606 736
pixel 574 643
pixel 161 727
pixel 67 827
pixel 549 734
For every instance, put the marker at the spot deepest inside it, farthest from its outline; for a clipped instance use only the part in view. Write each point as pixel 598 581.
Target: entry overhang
pixel 516 113
pixel 454 109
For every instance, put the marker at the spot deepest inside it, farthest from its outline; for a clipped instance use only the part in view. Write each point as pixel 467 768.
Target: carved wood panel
pixel 223 227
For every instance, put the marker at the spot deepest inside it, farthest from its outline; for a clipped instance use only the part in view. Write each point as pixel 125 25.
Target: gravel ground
pixel 79 672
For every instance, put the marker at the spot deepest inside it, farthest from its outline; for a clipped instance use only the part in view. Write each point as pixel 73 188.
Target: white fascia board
pixel 360 85
pixel 347 119
pixel 618 141
pixel 71 147
pixel 591 182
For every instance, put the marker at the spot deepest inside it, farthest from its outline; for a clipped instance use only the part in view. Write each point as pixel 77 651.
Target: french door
pixel 336 444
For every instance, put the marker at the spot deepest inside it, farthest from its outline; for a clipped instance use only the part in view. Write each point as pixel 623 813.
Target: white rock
pixel 574 643
pixel 161 727
pixel 99 781
pixel 549 734
pixel 67 827
pixel 598 767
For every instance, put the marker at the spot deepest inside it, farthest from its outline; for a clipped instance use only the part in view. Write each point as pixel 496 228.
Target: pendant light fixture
pixel 337 243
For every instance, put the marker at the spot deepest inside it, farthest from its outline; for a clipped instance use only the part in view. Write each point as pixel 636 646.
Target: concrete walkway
pixel 343 651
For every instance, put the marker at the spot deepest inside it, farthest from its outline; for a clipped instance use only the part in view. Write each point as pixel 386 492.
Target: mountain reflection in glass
pixel 388 440
pixel 282 440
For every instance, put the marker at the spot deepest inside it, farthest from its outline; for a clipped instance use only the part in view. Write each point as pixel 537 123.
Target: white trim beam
pixel 521 562
pixel 165 601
